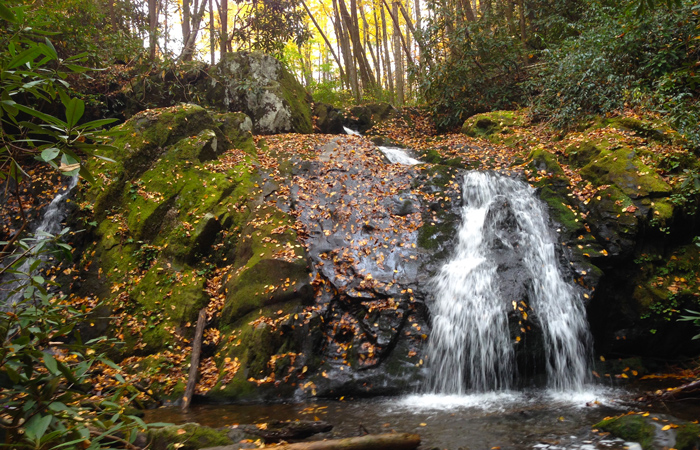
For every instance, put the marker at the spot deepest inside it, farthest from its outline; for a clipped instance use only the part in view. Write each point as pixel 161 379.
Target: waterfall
pixel 471 348
pixel 50 224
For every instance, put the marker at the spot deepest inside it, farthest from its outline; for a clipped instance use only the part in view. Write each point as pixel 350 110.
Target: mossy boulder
pixel 653 432
pixel 487 124
pixel 262 87
pixel 159 210
pixel 328 119
pixel 626 170
pixel 189 436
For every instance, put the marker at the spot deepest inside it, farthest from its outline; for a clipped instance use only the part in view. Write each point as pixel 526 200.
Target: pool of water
pixel 535 419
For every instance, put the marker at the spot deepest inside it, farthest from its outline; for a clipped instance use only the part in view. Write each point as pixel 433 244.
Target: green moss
pixel 190 436
pixel 632 428
pixel 254 344
pixel 491 123
pixel 581 153
pixel 299 102
pixel 560 208
pixel 542 160
pixel 624 169
pixel 687 436
pixel 266 282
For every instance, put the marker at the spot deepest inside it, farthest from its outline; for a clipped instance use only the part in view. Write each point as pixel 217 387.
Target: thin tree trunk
pixel 390 441
pixel 394 14
pixel 351 24
pixel 378 46
pixel 387 55
pixel 523 29
pixel 212 34
pixel 508 9
pixel 323 35
pixel 152 27
pixel 193 28
pixel 223 18
pixel 347 54
pixel 368 43
pixel 398 59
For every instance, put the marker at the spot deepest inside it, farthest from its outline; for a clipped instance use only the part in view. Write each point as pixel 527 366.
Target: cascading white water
pixel 50 225
pixel 470 347
pixel 397 155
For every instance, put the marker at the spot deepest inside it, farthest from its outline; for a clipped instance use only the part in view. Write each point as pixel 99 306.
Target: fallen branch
pixel 194 363
pixel 686 391
pixel 392 441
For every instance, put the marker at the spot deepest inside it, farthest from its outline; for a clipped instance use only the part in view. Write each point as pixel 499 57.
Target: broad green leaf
pixel 74 111
pixel 40 115
pixel 7 14
pixel 50 154
pixel 50 364
pixel 51 49
pixel 37 426
pixel 27 55
pixel 77 69
pixel 85 173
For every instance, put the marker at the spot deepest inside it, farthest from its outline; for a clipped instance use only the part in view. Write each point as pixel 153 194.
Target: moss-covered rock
pixel 487 124
pixel 263 88
pixel 653 432
pixel 626 170
pixel 582 153
pixel 634 428
pixel 189 436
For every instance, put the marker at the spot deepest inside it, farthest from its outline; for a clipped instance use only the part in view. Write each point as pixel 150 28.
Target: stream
pixel 529 419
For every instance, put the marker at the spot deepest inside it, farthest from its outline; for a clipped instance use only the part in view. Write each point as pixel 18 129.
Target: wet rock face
pixel 362 217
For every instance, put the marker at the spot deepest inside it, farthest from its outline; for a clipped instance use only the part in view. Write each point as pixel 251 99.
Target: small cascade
pixel 50 225
pixel 395 155
pixel 351 132
pixel 471 347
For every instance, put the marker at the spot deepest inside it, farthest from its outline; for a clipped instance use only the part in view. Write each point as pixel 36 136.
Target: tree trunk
pixel 212 34
pixel 523 30
pixel 223 18
pixel 323 35
pixel 350 69
pixel 398 58
pixel 351 24
pixel 368 43
pixel 378 46
pixel 394 14
pixel 508 9
pixel 387 58
pixel 194 363
pixel 152 27
pixel 190 38
pixel 393 441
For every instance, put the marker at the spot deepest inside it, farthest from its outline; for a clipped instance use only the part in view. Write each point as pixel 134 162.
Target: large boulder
pixel 262 87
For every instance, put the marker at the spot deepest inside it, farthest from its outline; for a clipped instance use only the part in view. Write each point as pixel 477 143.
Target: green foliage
pixel 45 367
pixel 269 25
pixel 32 79
pixel 619 60
pixel 692 316
pixel 481 73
